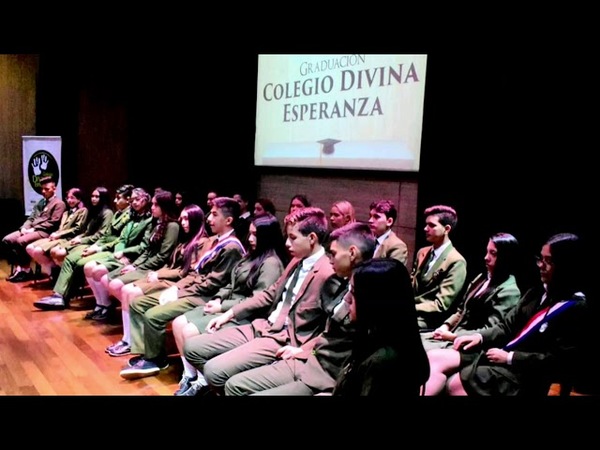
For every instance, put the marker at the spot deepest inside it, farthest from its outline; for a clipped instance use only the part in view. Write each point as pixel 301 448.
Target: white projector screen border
pixel 362 112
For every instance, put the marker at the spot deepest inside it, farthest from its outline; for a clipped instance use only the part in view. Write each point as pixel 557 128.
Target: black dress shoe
pixel 20 277
pixel 106 313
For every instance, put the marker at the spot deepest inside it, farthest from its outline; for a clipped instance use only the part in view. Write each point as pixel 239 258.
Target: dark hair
pixel 96 212
pixel 125 190
pixel 507 257
pixel 386 316
pixel 267 205
pixel 196 234
pixel 302 199
pixel 228 206
pixel 446 214
pixel 309 220
pixel 78 194
pixel 567 255
pixel 104 198
pixel 358 234
pixel 385 207
pixel 166 203
pixel 47 179
pixel 269 242
pixel 184 198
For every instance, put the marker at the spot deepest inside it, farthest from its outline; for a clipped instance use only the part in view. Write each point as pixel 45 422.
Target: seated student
pixel 264 206
pixel 183 258
pixel 78 256
pixel 295 313
pixel 158 244
pixel 181 200
pixel 536 343
pixel 258 270
pixel 439 270
pixel 341 213
pixel 43 220
pixel 388 359
pixel 210 197
pixel 133 241
pixel 150 314
pixel 71 224
pixel 98 217
pixel 488 297
pixel 382 216
pixel 316 371
pixel 242 224
pixel 298 201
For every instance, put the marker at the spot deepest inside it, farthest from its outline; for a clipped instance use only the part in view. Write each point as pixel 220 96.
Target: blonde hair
pixel 346 209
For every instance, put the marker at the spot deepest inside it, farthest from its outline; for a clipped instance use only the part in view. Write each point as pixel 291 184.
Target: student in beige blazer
pixel 43 220
pixel 382 216
pixel 294 315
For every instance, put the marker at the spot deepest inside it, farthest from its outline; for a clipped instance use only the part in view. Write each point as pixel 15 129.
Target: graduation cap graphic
pixel 327 145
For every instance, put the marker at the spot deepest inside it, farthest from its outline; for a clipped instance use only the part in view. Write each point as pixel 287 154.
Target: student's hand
pixel 466 342
pixel 118 255
pixel 124 260
pixel 443 335
pixel 288 352
pixel 217 322
pixel 75 240
pixel 91 250
pixel 152 277
pixel 213 306
pixel 497 355
pixel 127 268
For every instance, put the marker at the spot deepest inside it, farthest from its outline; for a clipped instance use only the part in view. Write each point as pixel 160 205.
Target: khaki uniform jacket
pixel 436 290
pixel 393 247
pixel 308 314
pixel 45 218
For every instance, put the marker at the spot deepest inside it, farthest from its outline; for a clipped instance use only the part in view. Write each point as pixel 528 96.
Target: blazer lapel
pixel 309 277
pixel 439 261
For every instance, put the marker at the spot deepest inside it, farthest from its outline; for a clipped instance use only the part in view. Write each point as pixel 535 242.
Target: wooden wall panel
pixel 102 157
pixel 18 74
pixel 322 191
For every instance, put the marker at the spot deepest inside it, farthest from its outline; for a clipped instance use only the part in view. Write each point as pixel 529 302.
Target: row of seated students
pixel 247 321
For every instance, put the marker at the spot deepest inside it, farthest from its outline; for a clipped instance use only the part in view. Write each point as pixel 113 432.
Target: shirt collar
pixel 308 263
pixel 224 235
pixel 438 251
pixel 383 237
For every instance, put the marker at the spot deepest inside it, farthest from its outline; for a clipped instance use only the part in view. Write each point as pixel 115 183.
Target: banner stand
pixel 41 158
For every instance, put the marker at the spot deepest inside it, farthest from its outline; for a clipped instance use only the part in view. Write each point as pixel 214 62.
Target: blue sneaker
pixel 184 384
pixel 142 368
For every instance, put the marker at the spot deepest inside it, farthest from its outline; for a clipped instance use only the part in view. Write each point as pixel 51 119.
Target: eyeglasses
pixel 543 259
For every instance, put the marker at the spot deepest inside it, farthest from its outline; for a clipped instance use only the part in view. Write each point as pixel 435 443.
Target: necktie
pixel 287 302
pixel 428 262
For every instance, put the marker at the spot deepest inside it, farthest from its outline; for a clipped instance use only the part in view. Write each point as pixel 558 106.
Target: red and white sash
pixel 539 322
